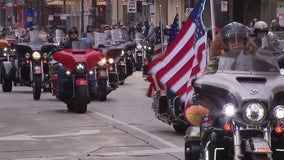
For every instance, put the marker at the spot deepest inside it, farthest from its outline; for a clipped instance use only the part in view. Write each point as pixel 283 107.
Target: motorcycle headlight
pixel 254 112
pixel 149 48
pixel 122 53
pixel 139 46
pixel 80 67
pixel 5 49
pixel 102 62
pixel 111 60
pixel 36 55
pixel 229 109
pixel 278 112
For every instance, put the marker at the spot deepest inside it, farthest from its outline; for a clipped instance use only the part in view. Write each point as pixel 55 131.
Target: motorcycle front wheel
pixel 82 99
pixel 37 87
pixel 102 89
pixel 6 84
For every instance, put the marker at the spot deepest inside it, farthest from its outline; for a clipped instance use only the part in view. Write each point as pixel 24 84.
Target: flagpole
pixel 213 28
pixel 161 28
pixel 177 12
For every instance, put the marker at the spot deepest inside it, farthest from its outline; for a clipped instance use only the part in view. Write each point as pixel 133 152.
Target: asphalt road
pixel 121 128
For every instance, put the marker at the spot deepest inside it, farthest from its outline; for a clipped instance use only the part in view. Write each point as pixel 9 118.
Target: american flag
pixel 158 42
pixel 185 57
pixel 174 29
pixel 154 84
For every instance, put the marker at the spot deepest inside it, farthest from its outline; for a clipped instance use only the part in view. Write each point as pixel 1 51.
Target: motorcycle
pixel 79 62
pixel 106 69
pixel 8 66
pixel 169 109
pixel 147 58
pixel 106 73
pixel 139 51
pixel 245 122
pixel 125 64
pixel 32 62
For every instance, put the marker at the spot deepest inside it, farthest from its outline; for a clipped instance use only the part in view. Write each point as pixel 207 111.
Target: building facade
pixel 80 13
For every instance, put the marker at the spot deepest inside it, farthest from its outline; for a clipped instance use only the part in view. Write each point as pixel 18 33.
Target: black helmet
pixel 234 31
pixel 72 30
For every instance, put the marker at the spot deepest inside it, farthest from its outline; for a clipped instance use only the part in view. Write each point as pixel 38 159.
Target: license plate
pixel 37 70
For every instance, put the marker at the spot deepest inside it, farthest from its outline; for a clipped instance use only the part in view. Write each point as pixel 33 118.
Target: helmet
pixel 234 31
pixel 260 26
pixel 72 30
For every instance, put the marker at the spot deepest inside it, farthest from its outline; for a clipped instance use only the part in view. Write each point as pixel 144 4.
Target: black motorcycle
pixel 169 109
pixel 126 62
pixel 106 72
pixel 245 122
pixel 32 65
pixel 8 66
pixel 139 51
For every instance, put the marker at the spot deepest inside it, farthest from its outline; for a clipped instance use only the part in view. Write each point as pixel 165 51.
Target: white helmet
pixel 260 26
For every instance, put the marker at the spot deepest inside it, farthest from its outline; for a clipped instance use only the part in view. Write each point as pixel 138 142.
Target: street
pixel 121 128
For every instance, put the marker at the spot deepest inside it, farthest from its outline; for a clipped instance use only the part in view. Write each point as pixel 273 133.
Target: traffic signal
pixel 15 5
pixel 4 7
pixel 9 17
pixel 101 9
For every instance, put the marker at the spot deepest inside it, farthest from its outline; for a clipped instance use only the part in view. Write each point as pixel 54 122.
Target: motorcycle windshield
pixel 80 45
pixel 139 38
pixel 247 63
pixel 102 38
pixel 35 36
pixel 59 35
pixel 276 40
pixel 119 35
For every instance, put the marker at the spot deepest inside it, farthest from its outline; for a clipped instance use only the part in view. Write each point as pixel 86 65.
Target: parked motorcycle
pixel 79 62
pixel 8 67
pixel 32 62
pixel 245 122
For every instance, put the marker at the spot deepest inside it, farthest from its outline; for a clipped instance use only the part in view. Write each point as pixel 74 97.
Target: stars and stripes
pixel 174 29
pixel 185 57
pixel 158 42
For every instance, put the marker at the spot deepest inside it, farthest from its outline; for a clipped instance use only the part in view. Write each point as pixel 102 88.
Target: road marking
pixel 108 154
pixel 171 145
pixel 141 152
pixel 27 137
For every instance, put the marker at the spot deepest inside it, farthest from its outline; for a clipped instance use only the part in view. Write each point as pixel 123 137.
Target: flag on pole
pixel 154 84
pixel 174 29
pixel 185 57
pixel 158 43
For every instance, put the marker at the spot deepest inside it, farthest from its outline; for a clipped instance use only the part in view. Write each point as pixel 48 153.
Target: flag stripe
pixel 185 56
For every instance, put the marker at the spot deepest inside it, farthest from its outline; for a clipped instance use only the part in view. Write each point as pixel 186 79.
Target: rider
pixel 61 74
pixel 234 38
pixel 261 33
